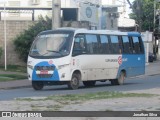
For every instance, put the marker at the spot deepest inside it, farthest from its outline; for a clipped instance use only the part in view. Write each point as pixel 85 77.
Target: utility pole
pixel 154 21
pixel 56 14
pixel 139 13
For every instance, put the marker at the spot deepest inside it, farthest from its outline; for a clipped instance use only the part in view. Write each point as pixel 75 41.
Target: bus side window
pixel 79 45
pixel 141 45
pixel 92 44
pixel 104 44
pixel 137 45
pixel 121 49
pixel 115 45
pixel 126 45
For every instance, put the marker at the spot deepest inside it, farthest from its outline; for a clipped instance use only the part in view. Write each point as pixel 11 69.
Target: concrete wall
pixel 76 24
pixel 13 29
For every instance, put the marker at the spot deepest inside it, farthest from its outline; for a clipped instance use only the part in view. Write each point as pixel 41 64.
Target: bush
pixel 24 40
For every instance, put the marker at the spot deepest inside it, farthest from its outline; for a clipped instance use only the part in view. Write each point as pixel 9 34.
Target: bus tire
pixel 37 85
pixel 74 83
pixel 121 78
pixel 89 83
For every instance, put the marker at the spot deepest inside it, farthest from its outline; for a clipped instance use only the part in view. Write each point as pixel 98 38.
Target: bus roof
pixel 108 32
pixel 83 30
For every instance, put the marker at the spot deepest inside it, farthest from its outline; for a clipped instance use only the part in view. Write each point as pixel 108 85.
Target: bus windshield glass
pixel 56 44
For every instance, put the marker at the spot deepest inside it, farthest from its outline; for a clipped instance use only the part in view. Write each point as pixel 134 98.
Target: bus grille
pixel 44 68
pixel 39 68
pixel 44 75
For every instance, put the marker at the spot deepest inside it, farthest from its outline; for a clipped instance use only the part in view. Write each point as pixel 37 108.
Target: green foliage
pixel 11 77
pixel 24 40
pixel 143 13
pixel 89 96
pixel 15 68
pixel 1 51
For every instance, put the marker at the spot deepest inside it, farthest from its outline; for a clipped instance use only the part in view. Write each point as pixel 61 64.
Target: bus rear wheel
pixel 89 83
pixel 74 83
pixel 37 85
pixel 120 80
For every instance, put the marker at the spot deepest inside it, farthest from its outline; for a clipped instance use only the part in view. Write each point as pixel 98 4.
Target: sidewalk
pixel 15 83
pixel 151 69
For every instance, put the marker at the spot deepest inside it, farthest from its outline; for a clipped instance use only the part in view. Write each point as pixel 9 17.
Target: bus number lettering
pixel 111 60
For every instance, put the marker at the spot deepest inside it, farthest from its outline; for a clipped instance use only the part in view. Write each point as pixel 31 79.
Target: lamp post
pixel 5 37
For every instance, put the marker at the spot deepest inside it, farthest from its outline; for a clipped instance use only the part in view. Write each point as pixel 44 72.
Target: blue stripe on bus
pixel 55 76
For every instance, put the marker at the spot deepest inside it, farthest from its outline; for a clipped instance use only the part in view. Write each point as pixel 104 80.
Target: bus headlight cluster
pixel 39 68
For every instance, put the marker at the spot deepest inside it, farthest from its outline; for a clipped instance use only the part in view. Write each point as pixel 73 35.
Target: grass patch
pixel 11 77
pixel 96 96
pixel 15 68
pixel 89 96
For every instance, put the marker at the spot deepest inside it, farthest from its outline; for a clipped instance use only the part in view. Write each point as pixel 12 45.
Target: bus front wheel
pixel 37 85
pixel 74 83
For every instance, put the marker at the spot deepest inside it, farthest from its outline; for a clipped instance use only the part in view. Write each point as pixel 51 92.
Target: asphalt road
pixel 138 83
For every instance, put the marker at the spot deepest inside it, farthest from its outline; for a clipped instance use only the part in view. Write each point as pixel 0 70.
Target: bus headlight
pixel 62 66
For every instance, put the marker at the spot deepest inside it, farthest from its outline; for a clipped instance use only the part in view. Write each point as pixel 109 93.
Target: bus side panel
pixel 134 65
pixel 98 67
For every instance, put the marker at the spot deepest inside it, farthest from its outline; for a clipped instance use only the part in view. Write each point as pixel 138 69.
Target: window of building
pixel 104 46
pixel 92 44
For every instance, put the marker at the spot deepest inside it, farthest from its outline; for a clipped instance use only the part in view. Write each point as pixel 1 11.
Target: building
pixel 20 14
pixel 71 10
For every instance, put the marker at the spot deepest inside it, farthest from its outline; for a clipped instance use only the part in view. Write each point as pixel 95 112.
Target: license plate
pixel 44 72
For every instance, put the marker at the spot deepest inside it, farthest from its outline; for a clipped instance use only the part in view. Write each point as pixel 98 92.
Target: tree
pixel 143 13
pixel 24 40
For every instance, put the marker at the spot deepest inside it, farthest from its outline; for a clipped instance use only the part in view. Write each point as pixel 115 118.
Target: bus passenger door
pixel 78 59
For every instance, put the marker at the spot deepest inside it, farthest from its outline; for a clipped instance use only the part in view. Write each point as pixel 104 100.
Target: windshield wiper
pixel 55 52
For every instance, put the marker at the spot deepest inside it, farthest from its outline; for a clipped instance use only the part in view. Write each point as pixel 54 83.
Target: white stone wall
pixel 13 28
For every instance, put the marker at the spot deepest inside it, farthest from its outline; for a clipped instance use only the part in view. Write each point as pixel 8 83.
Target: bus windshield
pixel 56 44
